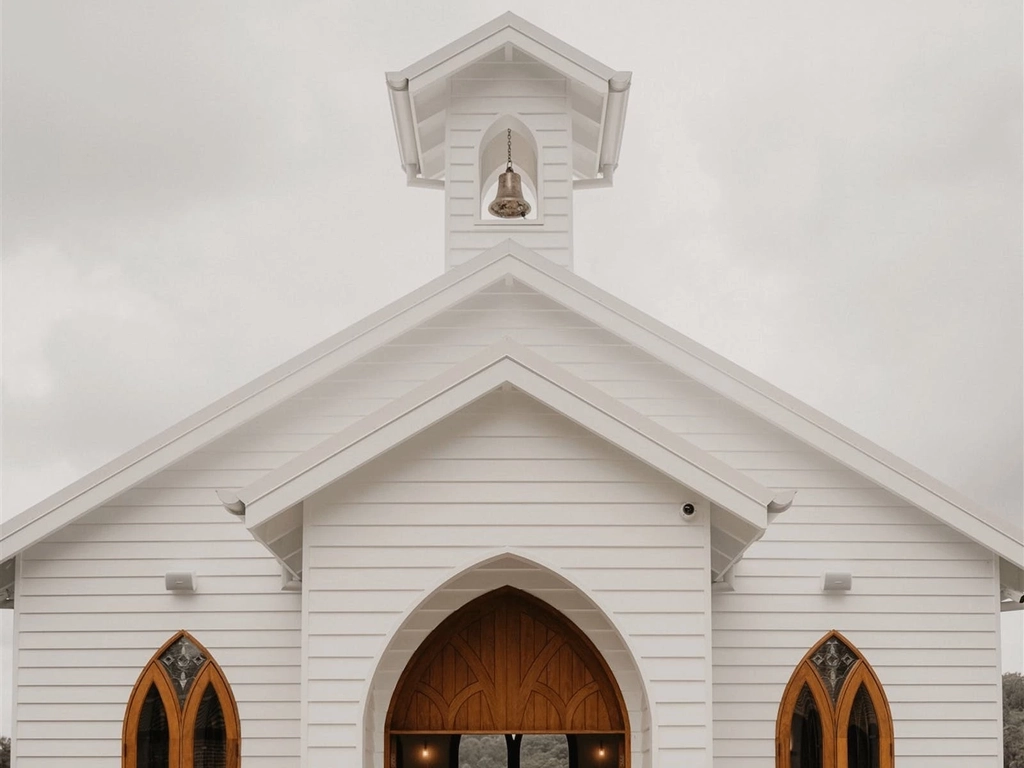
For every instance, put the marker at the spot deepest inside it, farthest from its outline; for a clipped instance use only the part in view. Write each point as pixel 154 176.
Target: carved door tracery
pixel 507 663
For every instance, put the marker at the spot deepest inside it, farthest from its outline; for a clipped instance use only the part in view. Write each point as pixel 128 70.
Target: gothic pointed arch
pixel 181 712
pixel 864 720
pixel 834 712
pixel 507 663
pixel 492 156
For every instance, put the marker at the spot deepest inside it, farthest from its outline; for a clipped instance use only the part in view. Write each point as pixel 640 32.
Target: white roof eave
pixel 507 363
pixel 507 29
pixel 509 259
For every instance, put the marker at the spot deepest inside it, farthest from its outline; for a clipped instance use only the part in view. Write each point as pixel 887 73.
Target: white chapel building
pixel 508 515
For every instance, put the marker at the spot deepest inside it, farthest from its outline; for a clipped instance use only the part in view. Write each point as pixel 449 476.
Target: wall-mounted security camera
pixel 688 512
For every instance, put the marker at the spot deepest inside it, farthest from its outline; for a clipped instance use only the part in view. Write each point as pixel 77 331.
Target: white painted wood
pixel 598 313
pixel 356 602
pixel 92 609
pixel 920 611
pixel 486 98
pixel 922 607
pixel 423 94
pixel 507 362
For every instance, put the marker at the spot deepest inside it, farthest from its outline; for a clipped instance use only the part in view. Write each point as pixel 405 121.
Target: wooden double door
pixel 507 663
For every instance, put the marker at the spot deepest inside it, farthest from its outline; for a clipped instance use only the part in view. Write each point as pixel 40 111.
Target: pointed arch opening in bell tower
pixel 508 140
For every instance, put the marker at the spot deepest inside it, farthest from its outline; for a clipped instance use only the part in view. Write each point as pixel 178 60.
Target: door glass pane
pixel 154 737
pixel 548 750
pixel 805 747
pixel 862 734
pixel 483 751
pixel 210 748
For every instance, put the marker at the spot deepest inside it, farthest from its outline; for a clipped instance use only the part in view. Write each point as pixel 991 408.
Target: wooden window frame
pixel 181 718
pixel 152 675
pixel 835 718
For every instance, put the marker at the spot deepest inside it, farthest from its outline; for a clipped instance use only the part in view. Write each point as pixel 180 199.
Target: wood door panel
pixel 507 663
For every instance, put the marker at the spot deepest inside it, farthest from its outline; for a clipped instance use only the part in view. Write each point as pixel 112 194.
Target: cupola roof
pixel 421 95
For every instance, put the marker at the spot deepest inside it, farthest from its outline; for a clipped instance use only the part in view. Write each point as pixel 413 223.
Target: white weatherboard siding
pixel 92 579
pixel 922 611
pixel 585 350
pixel 539 98
pixel 505 473
pixel 92 610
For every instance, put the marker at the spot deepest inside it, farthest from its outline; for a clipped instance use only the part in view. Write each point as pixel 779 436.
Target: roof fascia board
pixel 636 435
pixel 505 258
pixel 453 390
pixel 249 401
pixel 525 43
pixel 484 39
pixel 746 389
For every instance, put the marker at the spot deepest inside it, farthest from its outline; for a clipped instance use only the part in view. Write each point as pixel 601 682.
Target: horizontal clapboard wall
pixel 909 572
pixel 377 542
pixel 921 611
pixel 92 610
pixel 539 99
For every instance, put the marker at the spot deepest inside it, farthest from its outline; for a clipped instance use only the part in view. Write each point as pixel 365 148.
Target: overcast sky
pixel 828 194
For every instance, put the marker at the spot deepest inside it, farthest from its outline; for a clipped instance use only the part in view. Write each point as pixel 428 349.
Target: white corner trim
pixel 505 362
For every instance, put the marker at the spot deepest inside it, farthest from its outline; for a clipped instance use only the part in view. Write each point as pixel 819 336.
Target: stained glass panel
pixel 183 662
pixel 153 737
pixel 210 748
pixel 862 747
pixel 806 748
pixel 833 660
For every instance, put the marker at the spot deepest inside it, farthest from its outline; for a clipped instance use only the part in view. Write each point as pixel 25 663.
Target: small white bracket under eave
pixel 783 500
pixel 281 535
pixel 7 584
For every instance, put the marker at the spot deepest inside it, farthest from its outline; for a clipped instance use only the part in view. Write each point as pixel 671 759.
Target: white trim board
pixel 510 260
pixel 506 363
pixel 508 30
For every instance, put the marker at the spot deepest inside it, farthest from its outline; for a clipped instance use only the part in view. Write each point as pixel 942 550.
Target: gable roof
pixel 420 96
pixel 509 259
pixel 507 362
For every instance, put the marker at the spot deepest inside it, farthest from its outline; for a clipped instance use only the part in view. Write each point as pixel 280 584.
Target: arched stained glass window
pixel 181 713
pixel 834 713
pixel 862 733
pixel 153 737
pixel 806 746
pixel 210 744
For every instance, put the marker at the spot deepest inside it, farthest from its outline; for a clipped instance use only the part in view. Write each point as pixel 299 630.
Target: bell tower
pixel 509 122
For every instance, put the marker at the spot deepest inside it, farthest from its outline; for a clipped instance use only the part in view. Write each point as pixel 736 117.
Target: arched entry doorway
pixel 506 664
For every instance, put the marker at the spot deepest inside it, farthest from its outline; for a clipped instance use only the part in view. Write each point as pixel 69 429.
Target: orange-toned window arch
pixel 181 713
pixel 834 713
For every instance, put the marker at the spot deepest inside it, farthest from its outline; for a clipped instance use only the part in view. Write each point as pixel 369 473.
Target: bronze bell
pixel 509 202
